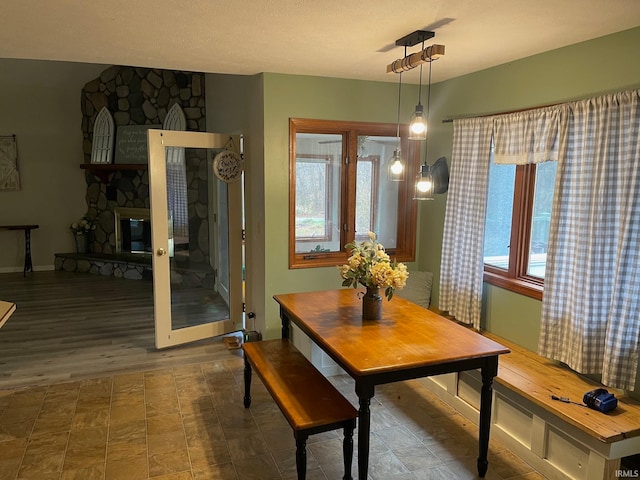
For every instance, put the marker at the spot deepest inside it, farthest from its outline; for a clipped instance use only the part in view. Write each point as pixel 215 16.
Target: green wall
pixel 579 71
pixel 235 106
pixel 288 96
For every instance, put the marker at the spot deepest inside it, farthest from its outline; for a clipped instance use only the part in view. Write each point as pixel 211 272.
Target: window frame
pixel 515 278
pixel 407 208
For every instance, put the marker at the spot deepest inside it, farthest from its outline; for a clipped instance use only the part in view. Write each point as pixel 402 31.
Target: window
pixel 339 191
pixel 517 226
pixel 313 208
pixel 367 176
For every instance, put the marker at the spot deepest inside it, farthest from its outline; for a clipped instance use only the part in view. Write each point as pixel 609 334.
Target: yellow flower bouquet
pixel 370 266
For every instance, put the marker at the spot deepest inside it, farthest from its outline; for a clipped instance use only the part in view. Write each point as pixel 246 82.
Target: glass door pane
pixel 541 221
pixel 196 237
pixel 195 265
pixel 376 196
pixel 317 202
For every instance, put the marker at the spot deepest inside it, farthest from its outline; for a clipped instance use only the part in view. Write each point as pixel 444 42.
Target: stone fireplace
pixel 141 96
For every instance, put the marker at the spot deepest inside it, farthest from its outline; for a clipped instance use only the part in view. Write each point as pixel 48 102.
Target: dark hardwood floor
pixel 69 326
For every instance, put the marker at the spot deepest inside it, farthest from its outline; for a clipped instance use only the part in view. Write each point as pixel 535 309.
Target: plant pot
pixel 82 243
pixel 372 304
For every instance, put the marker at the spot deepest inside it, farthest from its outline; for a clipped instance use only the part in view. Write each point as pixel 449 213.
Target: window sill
pixel 319 259
pixel 332 259
pixel 517 285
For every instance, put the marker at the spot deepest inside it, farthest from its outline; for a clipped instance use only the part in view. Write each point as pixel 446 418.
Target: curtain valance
pixel 530 136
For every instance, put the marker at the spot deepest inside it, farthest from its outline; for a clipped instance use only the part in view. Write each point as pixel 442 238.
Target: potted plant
pixel 370 266
pixel 81 230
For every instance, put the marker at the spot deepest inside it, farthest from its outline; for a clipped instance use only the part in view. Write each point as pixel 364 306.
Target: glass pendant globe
pixel 396 167
pixel 418 125
pixel 424 185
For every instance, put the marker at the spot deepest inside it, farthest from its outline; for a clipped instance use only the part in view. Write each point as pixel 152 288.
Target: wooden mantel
pixel 103 170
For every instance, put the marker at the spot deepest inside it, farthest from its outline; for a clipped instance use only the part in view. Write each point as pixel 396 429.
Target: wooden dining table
pixel 408 342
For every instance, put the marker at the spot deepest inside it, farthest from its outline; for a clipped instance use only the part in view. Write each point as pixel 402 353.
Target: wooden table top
pixel 407 336
pixel 6 309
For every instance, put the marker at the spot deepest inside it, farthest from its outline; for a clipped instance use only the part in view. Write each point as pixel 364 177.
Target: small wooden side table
pixel 28 266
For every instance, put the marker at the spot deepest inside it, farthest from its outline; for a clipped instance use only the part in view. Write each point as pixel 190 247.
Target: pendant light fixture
pixel 418 123
pixel 423 189
pixel 396 168
pixel 424 180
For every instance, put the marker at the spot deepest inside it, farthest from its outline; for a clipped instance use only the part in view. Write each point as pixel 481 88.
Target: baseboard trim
pixel 36 268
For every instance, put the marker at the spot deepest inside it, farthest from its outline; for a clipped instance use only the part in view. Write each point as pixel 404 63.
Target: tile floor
pixel 189 423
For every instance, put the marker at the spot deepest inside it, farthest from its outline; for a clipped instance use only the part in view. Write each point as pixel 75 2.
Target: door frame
pixel 165 336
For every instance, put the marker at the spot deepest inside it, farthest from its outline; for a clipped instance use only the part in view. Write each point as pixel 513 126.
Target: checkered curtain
pixel 591 304
pixel 462 249
pixel 527 137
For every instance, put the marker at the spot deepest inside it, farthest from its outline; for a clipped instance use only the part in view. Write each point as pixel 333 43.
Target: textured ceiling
pixel 332 38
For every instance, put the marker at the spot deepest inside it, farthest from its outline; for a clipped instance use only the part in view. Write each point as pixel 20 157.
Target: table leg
pixel 489 371
pixel 247 384
pixel 365 394
pixel 286 324
pixel 28 266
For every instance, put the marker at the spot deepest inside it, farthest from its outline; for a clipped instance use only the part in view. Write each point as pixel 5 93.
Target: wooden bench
pixel 560 440
pixel 306 398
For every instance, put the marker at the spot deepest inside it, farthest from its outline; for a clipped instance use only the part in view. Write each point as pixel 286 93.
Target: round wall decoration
pixel 227 165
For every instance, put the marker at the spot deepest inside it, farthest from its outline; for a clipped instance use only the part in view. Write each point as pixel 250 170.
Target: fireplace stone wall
pixel 143 96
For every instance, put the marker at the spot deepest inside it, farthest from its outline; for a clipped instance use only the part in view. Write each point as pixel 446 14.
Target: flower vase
pixel 372 304
pixel 82 243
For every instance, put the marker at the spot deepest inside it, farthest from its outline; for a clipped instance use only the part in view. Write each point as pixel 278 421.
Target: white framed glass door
pixel 196 237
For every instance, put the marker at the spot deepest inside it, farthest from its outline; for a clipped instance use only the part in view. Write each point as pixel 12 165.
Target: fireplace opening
pixel 136 235
pixel 133 230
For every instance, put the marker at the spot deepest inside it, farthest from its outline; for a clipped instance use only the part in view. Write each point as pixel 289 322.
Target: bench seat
pixel 560 440
pixel 537 378
pixel 309 402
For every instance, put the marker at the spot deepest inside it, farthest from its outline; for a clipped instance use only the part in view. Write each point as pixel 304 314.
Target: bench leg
pixel 347 450
pixel 247 383
pixel 301 454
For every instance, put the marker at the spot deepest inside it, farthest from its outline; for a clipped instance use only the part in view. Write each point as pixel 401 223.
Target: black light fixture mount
pixel 432 52
pixel 415 38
